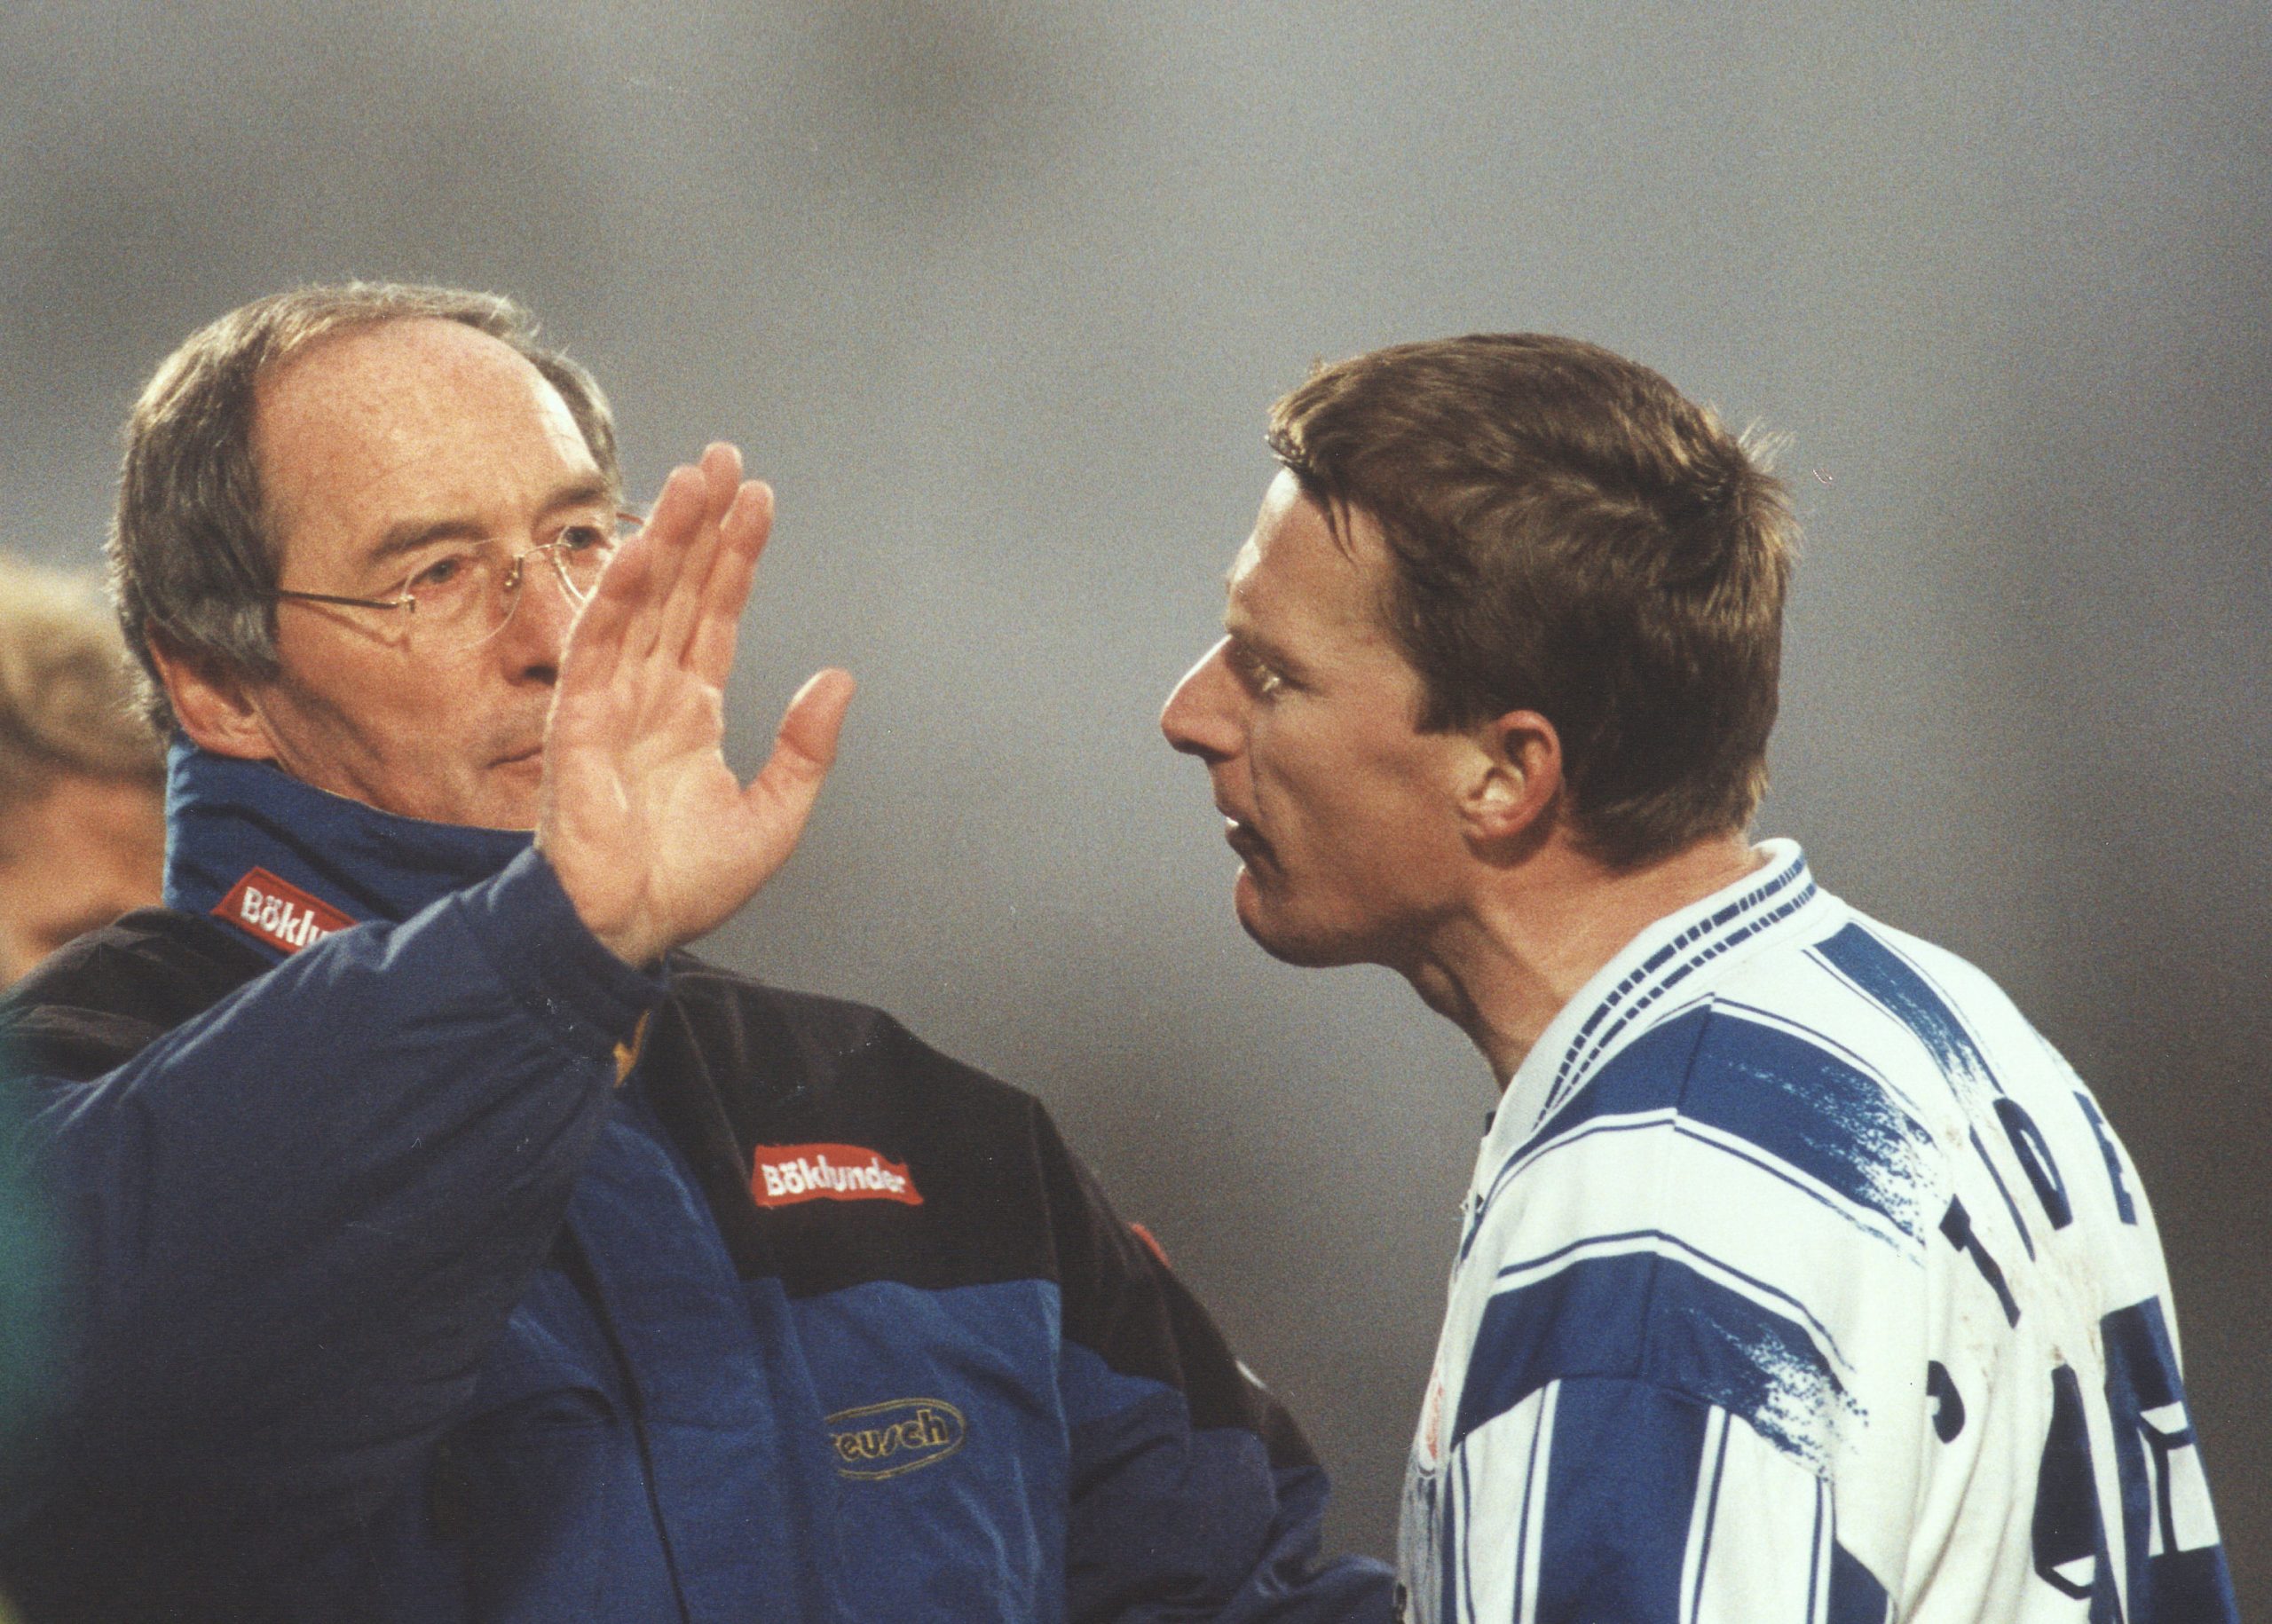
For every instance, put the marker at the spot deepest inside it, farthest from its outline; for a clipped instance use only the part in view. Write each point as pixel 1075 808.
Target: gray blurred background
pixel 996 295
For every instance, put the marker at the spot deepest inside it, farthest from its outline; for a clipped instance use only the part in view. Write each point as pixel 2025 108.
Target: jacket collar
pixel 233 826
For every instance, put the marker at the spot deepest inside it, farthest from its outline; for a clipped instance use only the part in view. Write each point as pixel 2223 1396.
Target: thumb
pixel 804 748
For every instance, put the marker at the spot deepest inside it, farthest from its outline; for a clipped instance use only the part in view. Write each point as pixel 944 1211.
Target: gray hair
pixel 67 704
pixel 193 557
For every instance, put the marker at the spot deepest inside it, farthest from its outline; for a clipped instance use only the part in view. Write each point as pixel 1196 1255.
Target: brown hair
pixel 67 702
pixel 1568 535
pixel 192 558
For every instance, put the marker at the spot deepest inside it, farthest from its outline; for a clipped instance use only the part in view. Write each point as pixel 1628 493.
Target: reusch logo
pixel 279 912
pixel 904 1435
pixel 786 1174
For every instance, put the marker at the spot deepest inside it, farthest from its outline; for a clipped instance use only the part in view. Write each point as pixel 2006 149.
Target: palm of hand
pixel 652 836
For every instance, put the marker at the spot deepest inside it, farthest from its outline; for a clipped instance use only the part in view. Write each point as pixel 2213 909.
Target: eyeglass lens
pixel 469 598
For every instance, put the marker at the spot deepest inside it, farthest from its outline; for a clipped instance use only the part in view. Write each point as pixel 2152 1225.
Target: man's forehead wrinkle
pixel 412 376
pixel 364 409
pixel 1269 617
pixel 1309 604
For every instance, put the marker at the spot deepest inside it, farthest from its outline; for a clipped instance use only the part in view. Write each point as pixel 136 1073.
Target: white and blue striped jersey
pixel 1800 1280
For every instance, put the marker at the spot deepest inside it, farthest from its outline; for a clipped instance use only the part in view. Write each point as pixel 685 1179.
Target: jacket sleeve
pixel 1193 1494
pixel 290 1227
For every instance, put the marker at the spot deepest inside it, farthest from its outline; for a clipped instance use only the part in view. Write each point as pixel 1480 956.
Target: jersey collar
pixel 1668 967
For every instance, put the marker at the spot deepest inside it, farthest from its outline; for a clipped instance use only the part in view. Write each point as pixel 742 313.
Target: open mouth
pixel 1245 841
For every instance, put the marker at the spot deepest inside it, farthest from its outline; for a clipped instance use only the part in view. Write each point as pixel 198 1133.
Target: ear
pixel 215 707
pixel 1517 781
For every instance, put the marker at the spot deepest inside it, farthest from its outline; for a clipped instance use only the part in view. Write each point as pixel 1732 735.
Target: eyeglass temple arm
pixel 326 597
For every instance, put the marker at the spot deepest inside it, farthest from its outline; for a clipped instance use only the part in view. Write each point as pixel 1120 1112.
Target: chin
pixel 515 812
pixel 1308 953
pixel 511 797
pixel 1294 941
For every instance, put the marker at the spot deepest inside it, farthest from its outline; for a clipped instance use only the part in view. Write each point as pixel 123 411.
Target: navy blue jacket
pixel 388 1302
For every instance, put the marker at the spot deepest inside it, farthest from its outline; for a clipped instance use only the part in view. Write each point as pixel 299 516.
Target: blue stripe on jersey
pixel 1653 1318
pixel 1855 1597
pixel 1651 1124
pixel 1898 986
pixel 1795 1100
pixel 1530 1486
pixel 1671 963
pixel 1709 1487
pixel 1621 1482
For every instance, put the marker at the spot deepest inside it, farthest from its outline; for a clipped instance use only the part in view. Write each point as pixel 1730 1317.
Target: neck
pixel 1502 968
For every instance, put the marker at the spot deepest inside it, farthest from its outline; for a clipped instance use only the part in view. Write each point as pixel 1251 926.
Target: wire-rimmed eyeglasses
pixel 465 592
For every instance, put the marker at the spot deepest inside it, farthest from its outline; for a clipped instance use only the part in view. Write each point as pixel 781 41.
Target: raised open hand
pixel 654 839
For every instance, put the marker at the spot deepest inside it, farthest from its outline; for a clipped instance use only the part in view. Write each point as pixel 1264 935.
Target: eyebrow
pixel 411 535
pixel 1263 647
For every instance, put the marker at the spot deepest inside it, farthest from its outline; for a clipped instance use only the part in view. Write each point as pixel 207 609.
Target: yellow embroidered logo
pixel 902 1435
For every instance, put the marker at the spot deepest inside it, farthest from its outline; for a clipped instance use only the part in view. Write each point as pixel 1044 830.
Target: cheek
pixel 1300 761
pixel 1314 768
pixel 1369 816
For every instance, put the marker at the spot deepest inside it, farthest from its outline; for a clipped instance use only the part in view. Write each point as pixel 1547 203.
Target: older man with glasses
pixel 444 1243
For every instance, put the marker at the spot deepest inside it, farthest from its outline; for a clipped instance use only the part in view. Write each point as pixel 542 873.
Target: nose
pixel 538 616
pixel 1201 716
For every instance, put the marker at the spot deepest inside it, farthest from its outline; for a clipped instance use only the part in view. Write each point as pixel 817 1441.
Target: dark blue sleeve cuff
pixel 557 968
